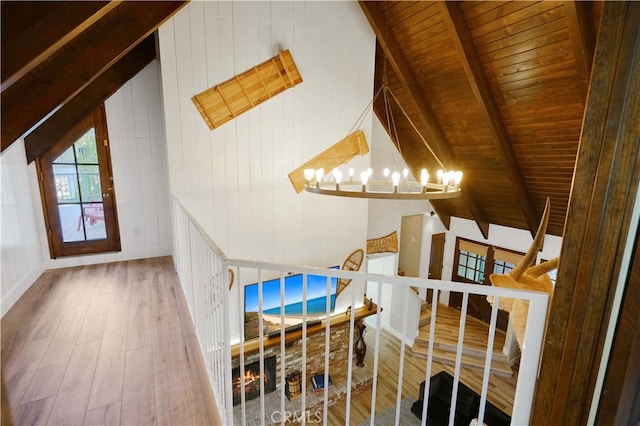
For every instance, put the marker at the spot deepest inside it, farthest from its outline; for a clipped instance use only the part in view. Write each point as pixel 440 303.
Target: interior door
pixel 77 191
pixel 436 261
pixel 410 244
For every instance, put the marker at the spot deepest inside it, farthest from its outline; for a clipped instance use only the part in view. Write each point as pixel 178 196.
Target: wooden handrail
pixel 253 345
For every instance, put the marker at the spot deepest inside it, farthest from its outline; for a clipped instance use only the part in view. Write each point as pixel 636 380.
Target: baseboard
pixel 9 299
pixel 94 259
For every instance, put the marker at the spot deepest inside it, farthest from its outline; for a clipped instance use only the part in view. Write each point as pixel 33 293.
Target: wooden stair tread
pixel 445 341
pixel 445 356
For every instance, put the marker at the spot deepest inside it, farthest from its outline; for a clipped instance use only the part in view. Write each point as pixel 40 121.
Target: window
pixel 474 261
pixel 77 191
pixel 471 266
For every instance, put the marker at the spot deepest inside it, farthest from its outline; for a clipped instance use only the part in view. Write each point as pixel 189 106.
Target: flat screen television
pixel 316 302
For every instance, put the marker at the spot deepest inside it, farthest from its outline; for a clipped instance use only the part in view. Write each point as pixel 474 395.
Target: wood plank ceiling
pixel 498 90
pixel 61 59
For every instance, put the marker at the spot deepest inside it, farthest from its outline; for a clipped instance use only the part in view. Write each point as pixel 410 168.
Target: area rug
pixel 388 417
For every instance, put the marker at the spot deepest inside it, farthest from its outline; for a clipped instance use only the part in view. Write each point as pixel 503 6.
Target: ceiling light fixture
pixel 391 185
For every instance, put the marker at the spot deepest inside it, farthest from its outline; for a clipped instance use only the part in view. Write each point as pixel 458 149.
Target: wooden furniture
pixel 253 346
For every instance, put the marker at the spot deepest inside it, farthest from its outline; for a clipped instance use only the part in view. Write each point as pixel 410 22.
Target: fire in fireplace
pixel 250 380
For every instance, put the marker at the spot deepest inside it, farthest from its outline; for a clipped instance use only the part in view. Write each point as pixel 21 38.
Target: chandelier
pixel 390 185
pixel 393 187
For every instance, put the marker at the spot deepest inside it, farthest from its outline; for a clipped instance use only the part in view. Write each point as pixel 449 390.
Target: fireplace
pixel 251 380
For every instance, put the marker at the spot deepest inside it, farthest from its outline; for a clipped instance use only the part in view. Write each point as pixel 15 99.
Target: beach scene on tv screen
pixel 293 303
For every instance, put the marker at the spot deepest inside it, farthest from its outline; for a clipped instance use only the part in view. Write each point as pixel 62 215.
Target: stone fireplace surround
pixel 315 359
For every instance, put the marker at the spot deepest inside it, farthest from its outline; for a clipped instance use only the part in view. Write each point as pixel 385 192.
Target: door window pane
pixel 90 189
pixel 66 181
pixel 66 157
pixel 70 218
pixel 85 147
pixel 79 191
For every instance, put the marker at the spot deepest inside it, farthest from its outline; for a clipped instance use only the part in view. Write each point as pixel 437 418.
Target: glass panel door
pixel 78 193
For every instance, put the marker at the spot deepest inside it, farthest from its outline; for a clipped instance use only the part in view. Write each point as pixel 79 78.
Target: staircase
pixel 445 342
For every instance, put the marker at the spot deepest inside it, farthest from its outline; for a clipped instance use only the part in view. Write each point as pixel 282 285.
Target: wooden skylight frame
pixel 229 99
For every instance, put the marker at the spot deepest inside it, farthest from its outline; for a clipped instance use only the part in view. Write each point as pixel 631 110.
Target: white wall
pixel 385 217
pixel 138 154
pixel 20 255
pixel 233 179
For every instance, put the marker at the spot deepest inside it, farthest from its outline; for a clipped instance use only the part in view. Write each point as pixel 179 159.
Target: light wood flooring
pixel 114 344
pixel 104 344
pixel 501 390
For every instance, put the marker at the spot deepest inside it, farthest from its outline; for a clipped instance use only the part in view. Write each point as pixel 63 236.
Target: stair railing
pixel 203 272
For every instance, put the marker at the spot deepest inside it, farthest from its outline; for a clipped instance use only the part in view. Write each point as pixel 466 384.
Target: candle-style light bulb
pixel 405 173
pixel 439 175
pixel 424 178
pixel 395 178
pixel 369 171
pixel 385 172
pixel 364 177
pixel 457 178
pixel 319 175
pixel 308 175
pixel 446 178
pixel 351 173
pixel 337 174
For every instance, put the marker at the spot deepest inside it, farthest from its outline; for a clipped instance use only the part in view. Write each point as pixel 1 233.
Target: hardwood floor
pixel 104 344
pixel 114 344
pixel 501 388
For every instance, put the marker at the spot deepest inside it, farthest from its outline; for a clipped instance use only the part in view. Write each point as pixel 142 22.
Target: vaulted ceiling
pixel 61 59
pixel 496 89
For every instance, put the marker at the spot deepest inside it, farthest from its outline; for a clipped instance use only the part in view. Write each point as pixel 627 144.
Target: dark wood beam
pixel 45 89
pixel 436 137
pixel 414 160
pixel 52 25
pixel 49 132
pixel 583 41
pixel 461 35
pixel 603 194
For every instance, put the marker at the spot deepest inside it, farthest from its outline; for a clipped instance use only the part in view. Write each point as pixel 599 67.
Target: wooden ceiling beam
pixel 49 132
pixel 56 80
pixel 51 26
pixel 436 137
pixel 462 39
pixel 413 159
pixel 583 42
pixel 599 225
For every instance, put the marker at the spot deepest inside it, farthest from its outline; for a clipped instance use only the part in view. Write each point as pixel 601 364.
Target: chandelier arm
pixel 360 119
pixel 395 129
pixel 417 131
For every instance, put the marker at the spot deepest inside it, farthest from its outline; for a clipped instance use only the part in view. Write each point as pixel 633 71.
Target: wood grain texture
pixel 501 388
pixel 604 188
pixel 33 97
pixel 85 374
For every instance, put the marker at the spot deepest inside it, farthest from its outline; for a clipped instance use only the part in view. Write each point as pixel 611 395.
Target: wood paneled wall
pixel 603 194
pixel 138 149
pixel 20 253
pixel 138 152
pixel 234 179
